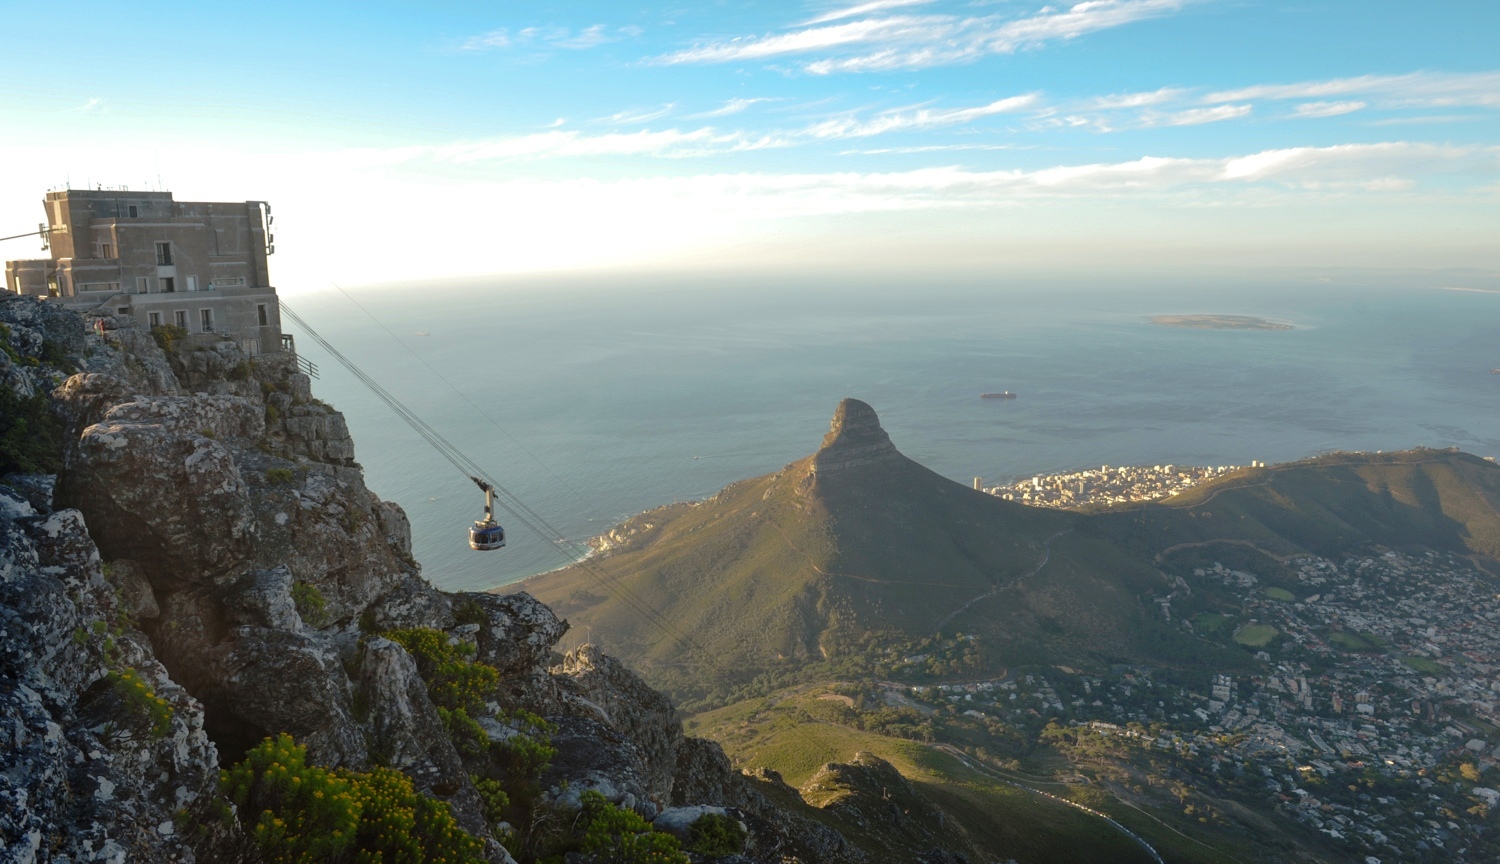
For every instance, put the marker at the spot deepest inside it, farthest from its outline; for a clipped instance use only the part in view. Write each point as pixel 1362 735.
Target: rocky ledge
pixel 191 563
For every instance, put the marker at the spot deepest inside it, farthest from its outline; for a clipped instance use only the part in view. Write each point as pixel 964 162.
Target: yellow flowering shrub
pixel 454 681
pixel 303 814
pixel 142 712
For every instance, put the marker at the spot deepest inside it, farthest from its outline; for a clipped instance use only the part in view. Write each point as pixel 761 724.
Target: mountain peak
pixel 855 437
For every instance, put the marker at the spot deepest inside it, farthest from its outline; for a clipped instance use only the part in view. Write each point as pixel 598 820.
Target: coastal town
pixel 1367 710
pixel 1108 485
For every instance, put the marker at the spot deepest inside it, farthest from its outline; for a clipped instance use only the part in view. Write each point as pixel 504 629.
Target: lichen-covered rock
pixel 406 733
pixel 161 491
pixel 79 779
pixel 593 756
pixel 265 681
pixel 633 709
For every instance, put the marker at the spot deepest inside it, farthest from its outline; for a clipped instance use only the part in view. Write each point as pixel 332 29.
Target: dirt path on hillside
pixel 1046 556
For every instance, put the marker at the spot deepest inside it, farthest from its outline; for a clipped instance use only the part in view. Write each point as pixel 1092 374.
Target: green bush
pixel 302 814
pixel 621 836
pixel 525 755
pixel 470 612
pixel 142 712
pixel 716 835
pixel 453 680
pixel 273 415
pixel 279 476
pixel 31 437
pixel 492 796
pixel 240 372
pixel 468 737
pixel 167 336
pixel 311 604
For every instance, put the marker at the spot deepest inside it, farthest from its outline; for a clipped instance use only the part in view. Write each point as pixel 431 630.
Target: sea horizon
pixel 593 401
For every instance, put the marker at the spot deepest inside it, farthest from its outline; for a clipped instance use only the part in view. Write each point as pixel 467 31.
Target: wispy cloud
pixel 666 143
pixel 1415 89
pixel 1327 109
pixel 707 141
pixel 92 105
pixel 735 106
pixel 1195 116
pixel 640 116
pixel 862 9
pixel 918 118
pixel 1136 100
pixel 550 37
pixel 930 148
pixel 920 41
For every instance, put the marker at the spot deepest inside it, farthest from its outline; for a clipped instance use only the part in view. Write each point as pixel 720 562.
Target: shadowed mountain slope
pixel 858 543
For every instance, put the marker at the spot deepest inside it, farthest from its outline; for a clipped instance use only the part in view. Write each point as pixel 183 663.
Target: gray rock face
pixel 406 733
pixel 632 709
pixel 223 497
pixel 80 778
pixel 854 438
pixel 163 490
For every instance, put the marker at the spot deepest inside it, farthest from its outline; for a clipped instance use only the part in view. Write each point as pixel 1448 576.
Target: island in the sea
pixel 1219 322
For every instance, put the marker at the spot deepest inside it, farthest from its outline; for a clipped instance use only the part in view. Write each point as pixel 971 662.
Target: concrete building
pixel 198 265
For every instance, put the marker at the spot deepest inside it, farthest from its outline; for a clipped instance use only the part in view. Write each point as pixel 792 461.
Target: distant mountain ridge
pixel 858 541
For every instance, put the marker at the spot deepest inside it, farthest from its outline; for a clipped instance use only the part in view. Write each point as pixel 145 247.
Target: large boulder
pixel 160 487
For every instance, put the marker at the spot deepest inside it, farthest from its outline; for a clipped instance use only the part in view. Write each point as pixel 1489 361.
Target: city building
pixel 198 265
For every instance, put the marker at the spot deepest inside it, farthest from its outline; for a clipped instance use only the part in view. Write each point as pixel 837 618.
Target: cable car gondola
pixel 487 533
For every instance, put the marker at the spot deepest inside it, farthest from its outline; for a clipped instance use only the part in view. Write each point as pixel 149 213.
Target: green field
pixel 1255 635
pixel 1425 666
pixel 1209 622
pixel 1349 641
pixel 1280 594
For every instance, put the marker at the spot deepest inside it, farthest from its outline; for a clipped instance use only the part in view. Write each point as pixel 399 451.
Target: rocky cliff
pixel 190 562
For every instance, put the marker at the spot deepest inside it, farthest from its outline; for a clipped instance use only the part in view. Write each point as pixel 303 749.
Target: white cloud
pixel 1415 89
pixel 735 106
pixel 645 116
pixel 551 37
pixel 1136 100
pixel 920 118
pixel 667 143
pixel 499 219
pixel 588 37
pixel 862 9
pixel 919 41
pixel 1327 109
pixel 1195 116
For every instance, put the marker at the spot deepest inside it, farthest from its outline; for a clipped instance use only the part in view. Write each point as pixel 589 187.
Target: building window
pixel 164 254
pixel 260 309
pixel 106 250
pixel 142 286
pixel 205 320
pixel 134 211
pixel 168 285
pixel 181 316
pixel 192 283
pixel 153 319
pixel 123 310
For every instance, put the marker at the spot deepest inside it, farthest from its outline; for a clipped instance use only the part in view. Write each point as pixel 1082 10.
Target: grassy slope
pixel 1330 505
pixel 997 817
pixel 788 568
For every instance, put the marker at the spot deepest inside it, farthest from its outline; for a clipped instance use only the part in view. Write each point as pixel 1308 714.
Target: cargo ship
pixel 1005 395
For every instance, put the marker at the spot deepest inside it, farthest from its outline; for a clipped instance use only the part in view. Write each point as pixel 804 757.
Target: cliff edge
pixel 191 563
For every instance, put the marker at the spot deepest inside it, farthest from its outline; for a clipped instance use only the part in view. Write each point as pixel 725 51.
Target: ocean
pixel 593 398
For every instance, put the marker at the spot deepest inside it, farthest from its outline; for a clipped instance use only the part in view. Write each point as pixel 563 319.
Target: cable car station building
pixel 198 265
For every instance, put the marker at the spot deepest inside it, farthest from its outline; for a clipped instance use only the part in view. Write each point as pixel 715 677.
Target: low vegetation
pixel 311 604
pixel 31 436
pixel 303 814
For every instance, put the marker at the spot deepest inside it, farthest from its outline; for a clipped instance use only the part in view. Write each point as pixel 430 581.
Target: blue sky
pixel 962 135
